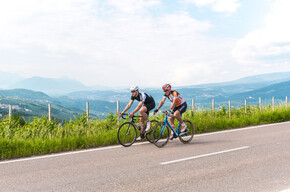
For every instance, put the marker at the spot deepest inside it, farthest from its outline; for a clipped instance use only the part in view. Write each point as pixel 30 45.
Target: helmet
pixel 134 88
pixel 166 87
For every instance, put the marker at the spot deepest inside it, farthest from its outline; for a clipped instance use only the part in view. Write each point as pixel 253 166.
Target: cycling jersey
pixel 174 94
pixel 146 98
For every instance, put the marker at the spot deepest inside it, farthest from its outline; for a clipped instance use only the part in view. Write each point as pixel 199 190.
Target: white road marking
pixel 119 146
pixel 241 129
pixel 64 153
pixel 204 155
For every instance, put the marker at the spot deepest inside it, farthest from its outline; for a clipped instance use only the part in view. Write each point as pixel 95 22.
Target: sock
pixel 183 124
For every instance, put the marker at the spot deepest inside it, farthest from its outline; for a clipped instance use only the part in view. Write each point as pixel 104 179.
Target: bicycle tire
pixel 189 133
pixel 149 135
pixel 127 134
pixel 160 134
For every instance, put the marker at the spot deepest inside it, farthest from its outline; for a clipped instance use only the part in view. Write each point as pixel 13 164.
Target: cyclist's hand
pixel 131 114
pixel 121 114
pixel 155 111
pixel 169 111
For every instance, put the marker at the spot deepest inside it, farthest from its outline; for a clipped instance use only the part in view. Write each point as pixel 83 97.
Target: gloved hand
pixel 169 111
pixel 156 110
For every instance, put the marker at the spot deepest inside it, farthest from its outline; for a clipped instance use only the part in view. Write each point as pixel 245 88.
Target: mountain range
pixel 70 96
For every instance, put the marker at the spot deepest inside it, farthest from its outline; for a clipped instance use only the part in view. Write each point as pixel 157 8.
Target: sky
pixel 144 42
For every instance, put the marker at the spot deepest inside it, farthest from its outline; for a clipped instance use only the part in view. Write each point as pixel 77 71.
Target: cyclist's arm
pixel 127 107
pixel 161 103
pixel 138 107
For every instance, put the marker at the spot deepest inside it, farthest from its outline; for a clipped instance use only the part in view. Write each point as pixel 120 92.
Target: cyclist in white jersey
pixel 146 104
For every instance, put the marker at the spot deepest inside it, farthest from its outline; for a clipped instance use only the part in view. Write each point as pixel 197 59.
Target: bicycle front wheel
pixel 187 136
pixel 127 134
pixel 149 135
pixel 160 134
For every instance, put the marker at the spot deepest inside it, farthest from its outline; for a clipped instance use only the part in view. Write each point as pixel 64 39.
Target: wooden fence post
pixel 192 108
pixel 49 112
pixel 10 112
pixel 245 105
pixel 273 103
pixel 212 108
pixel 118 110
pixel 229 109
pixel 260 104
pixel 88 115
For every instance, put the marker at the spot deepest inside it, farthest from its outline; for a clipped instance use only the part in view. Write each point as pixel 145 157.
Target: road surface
pixel 248 159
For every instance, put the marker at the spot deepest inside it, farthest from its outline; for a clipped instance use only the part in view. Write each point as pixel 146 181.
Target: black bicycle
pixel 127 132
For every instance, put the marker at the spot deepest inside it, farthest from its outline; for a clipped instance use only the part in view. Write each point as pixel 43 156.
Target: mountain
pixel 50 86
pixel 25 94
pixel 7 79
pixel 246 84
pixel 29 104
pixel 105 101
pixel 278 90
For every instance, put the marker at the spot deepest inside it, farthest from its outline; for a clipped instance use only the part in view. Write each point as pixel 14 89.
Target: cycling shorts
pixel 182 108
pixel 149 107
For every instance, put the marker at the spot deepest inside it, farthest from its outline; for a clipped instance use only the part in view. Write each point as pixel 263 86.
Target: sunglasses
pixel 166 90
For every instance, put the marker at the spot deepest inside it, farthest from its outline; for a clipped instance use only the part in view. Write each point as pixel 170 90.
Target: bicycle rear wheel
pixel 160 134
pixel 149 135
pixel 187 136
pixel 127 134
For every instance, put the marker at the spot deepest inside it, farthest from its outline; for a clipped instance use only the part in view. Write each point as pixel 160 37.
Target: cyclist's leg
pixel 176 115
pixel 178 112
pixel 144 117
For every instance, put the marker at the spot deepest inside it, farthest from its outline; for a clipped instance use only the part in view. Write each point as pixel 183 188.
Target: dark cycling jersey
pixel 175 94
pixel 146 98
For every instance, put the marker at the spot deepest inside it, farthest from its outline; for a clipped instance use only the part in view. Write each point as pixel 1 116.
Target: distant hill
pixel 25 94
pixel 8 79
pixel 50 86
pixel 247 83
pixel 105 101
pixel 278 90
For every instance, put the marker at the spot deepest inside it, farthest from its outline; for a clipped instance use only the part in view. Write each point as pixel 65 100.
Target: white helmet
pixel 134 88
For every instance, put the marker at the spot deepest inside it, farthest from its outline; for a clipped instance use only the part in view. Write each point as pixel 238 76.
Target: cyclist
pixel 146 104
pixel 177 107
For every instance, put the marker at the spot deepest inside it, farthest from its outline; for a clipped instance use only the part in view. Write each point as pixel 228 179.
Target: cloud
pixel 271 44
pixel 223 6
pixel 109 43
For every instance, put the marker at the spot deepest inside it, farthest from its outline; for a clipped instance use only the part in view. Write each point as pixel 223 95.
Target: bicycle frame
pixel 166 122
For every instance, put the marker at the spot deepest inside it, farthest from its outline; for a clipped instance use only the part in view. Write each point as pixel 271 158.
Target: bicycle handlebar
pixel 126 114
pixel 166 113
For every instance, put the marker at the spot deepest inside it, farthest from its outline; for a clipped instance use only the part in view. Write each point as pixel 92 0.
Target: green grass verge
pixel 22 139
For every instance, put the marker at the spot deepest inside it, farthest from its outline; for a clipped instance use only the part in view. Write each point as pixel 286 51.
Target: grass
pixel 41 136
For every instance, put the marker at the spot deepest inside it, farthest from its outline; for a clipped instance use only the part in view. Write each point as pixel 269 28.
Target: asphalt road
pixel 248 159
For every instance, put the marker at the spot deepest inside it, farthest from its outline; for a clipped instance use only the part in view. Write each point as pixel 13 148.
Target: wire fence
pixel 196 106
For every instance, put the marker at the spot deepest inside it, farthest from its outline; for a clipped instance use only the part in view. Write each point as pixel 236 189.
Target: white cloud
pixel 113 43
pixel 69 38
pixel 271 43
pixel 133 6
pixel 226 6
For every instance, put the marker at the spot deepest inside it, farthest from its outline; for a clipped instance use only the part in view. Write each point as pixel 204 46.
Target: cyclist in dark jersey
pixel 146 104
pixel 177 107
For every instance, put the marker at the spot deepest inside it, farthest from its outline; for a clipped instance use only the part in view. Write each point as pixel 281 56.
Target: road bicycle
pixel 161 131
pixel 127 132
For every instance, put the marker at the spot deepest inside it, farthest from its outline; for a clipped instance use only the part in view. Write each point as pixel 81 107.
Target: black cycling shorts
pixel 182 108
pixel 149 106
